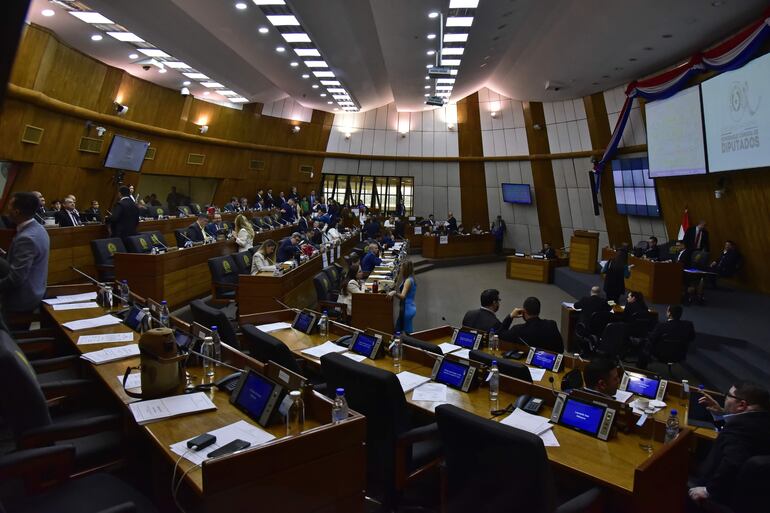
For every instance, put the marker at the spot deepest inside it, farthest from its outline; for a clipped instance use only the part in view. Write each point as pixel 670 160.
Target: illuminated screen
pixel 303 321
pixel 465 339
pixel 517 193
pixel 254 395
pixel 126 154
pixel 642 385
pixel 364 344
pixel 543 359
pixel 634 189
pixel 582 416
pixel 452 373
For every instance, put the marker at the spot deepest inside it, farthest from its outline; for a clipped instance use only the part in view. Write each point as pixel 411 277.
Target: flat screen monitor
pixel 582 416
pixel 635 193
pixel 517 193
pixel 675 135
pixel 452 373
pixel 134 318
pixel 697 414
pixel 736 112
pixel 543 359
pixel 366 344
pixel 257 396
pixel 304 322
pixel 126 154
pixel 466 339
pixel 644 386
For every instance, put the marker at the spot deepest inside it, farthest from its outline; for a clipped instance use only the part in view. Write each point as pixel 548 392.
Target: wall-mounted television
pixel 126 154
pixel 517 193
pixel 635 193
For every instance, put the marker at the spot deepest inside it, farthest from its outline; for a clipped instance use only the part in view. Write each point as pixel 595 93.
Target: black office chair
pixel 195 208
pixel 326 297
pixel 751 492
pixel 242 261
pixel 491 467
pixel 207 316
pixel 507 367
pixel 700 259
pixel 139 243
pixel 157 211
pixel 265 347
pixel 157 239
pixel 104 251
pixel 671 350
pixel 390 437
pixel 182 237
pixel 334 273
pixel 613 341
pixel 184 209
pixel 421 344
pixel 224 278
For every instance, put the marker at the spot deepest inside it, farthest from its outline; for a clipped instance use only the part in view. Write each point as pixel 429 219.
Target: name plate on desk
pixel 418 230
pixel 538 257
pixel 520 255
pixel 444 239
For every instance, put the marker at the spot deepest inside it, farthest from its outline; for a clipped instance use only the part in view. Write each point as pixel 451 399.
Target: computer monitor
pixel 304 321
pixel 453 373
pixel 257 396
pixel 544 359
pixel 467 338
pixel 590 417
pixel 367 344
pixel 646 386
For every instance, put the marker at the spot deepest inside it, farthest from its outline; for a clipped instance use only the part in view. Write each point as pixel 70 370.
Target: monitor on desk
pixel 697 414
pixel 467 338
pixel 304 321
pixel 134 318
pixel 591 417
pixel 646 386
pixel 367 344
pixel 257 396
pixel 456 374
pixel 544 359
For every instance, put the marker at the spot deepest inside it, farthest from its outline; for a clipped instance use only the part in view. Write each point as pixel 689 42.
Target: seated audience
pixel 537 332
pixel 288 249
pixel 69 215
pixel 56 205
pixel 485 318
pixel 233 206
pixel 94 213
pixel 371 258
pixel 727 263
pixel 353 283
pixel 589 305
pixel 653 251
pixel 601 377
pixel 673 328
pixel 386 241
pixel 244 232
pixel 216 225
pixel 635 307
pixel 263 260
pixel 547 251
pixel 197 231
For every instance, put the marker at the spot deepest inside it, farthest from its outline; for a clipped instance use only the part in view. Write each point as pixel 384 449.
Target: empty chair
pixel 377 394
pixel 491 467
pixel 157 239
pixel 207 316
pixel 507 367
pixel 224 278
pixel 195 208
pixel 323 287
pixel 670 350
pixel 613 341
pixel 334 273
pixel 242 261
pixel 265 347
pixel 182 237
pixel 104 251
pixel 421 344
pixel 139 243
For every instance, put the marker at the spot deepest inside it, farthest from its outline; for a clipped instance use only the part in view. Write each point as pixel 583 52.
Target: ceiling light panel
pixel 127 37
pixel 228 93
pixel 176 65
pixel 238 100
pixel 452 51
pixel 296 37
pixel 282 20
pixel 269 2
pixel 307 52
pixel 455 38
pixel 211 85
pixel 445 81
pixel 330 82
pixel 196 76
pixel 92 17
pixel 316 64
pixel 323 74
pixel 463 4
pixel 153 52
pixel 459 21
pixel 450 62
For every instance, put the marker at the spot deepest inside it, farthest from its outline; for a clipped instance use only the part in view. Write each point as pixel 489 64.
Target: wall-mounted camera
pixel 100 131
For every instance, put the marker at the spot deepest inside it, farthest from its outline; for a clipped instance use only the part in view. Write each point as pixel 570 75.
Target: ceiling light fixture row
pixel 295 38
pixel 147 55
pixel 453 35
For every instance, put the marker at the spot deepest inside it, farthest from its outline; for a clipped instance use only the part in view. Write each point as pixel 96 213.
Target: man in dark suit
pixel 746 433
pixel 589 305
pixel 288 211
pixel 653 251
pixel 485 318
pixel 94 213
pixel 600 377
pixel 547 251
pixel 400 209
pixel 430 223
pixel 197 231
pixel 215 225
pixel 399 228
pixel 673 328
pixel 303 225
pixel 288 248
pixel 69 216
pixel 372 227
pixel 269 200
pixel 125 215
pixel 727 263
pixel 451 223
pixel 233 206
pixel 696 238
pixel 537 332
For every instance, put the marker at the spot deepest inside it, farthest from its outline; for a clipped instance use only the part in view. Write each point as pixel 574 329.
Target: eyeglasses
pixel 728 394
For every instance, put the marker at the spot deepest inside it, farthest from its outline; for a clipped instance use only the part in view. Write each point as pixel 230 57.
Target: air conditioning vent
pixel 32 135
pixel 196 159
pixel 90 145
pixel 257 165
pixel 150 155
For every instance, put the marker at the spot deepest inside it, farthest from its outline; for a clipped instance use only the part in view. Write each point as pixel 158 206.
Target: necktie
pixel 75 221
pixel 697 239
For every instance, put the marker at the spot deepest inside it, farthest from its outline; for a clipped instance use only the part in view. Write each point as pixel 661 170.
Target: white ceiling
pixel 377 48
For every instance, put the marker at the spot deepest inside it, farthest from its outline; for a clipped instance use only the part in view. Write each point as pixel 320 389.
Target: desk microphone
pixel 189 242
pixel 88 277
pixel 157 239
pixel 553 388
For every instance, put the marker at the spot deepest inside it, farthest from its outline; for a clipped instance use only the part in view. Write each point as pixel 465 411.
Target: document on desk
pixel 111 354
pixel 325 348
pixel 568 305
pixel 94 322
pixel 107 338
pixel 447 347
pixel 158 409
pixel 520 419
pixel 240 430
pixel 273 326
pixel 134 380
pixel 431 392
pixel 73 298
pixel 463 353
pixel 549 439
pixel 623 396
pixel 355 356
pixel 75 306
pixel 537 374
pixel 410 380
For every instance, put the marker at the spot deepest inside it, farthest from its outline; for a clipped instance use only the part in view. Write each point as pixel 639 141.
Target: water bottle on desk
pixel 125 293
pixel 323 324
pixel 494 381
pixel 295 418
pixel 494 342
pixel 396 351
pixel 146 323
pixel 217 354
pixel 340 407
pixel 164 315
pixel 672 427
pixel 207 350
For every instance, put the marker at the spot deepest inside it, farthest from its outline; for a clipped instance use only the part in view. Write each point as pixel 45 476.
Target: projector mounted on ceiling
pixel 436 72
pixel 436 101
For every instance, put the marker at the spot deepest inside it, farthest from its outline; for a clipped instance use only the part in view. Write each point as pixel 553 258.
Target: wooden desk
pixel 177 276
pixel 532 269
pixel 377 311
pixel 583 250
pixel 660 282
pixel 334 454
pixel 458 246
pixel 570 318
pixel 415 240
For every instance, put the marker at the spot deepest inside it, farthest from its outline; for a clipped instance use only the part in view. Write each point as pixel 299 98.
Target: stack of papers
pixel 447 348
pixel 106 338
pixel 74 298
pixel 534 424
pixel 273 326
pixel 157 409
pixel 355 356
pixel 95 322
pixel 240 430
pixel 623 396
pixel 431 392
pixel 536 373
pixel 465 354
pixel 75 306
pixel 111 354
pixel 651 408
pixel 134 381
pixel 410 380
pixel 325 348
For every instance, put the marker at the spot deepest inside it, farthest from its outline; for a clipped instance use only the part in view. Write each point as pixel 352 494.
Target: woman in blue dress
pixel 406 296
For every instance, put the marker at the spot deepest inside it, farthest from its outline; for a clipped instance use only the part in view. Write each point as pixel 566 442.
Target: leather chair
pixel 157 239
pixel 671 350
pixel 751 491
pixel 397 452
pixel 157 212
pixel 184 209
pixel 207 316
pixel 613 341
pixel 326 297
pixel 139 243
pixel 700 259
pixel 224 278
pixel 242 261
pixel 104 251
pixel 265 347
pixel 335 274
pixel 195 208
pixel 507 367
pixel 181 236
pixel 421 344
pixel 492 467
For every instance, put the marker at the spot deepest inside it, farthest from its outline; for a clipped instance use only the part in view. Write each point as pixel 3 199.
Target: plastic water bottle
pixel 105 296
pixel 125 292
pixel 397 350
pixel 207 350
pixel 672 427
pixel 340 407
pixel 164 315
pixel 295 418
pixel 217 354
pixel 494 381
pixel 685 395
pixel 323 324
pixel 494 342
pixel 146 322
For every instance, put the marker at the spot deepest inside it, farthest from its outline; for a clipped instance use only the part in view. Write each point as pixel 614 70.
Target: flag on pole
pixel 685 224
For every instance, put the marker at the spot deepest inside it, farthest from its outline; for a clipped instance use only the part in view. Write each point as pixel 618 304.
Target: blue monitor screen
pixel 182 339
pixel 303 321
pixel 254 395
pixel 364 344
pixel 642 385
pixel 465 339
pixel 126 154
pixel 452 373
pixel 582 416
pixel 543 359
pixel 133 318
pixel 517 193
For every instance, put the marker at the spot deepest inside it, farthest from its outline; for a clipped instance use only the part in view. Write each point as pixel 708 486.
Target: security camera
pixel 120 109
pixel 100 131
pixel 146 67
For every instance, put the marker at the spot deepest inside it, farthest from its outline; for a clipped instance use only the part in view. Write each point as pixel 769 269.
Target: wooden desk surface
pixel 660 282
pixel 532 269
pixel 458 246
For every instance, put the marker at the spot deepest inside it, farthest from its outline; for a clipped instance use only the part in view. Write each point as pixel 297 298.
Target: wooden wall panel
pixel 542 176
pixel 473 182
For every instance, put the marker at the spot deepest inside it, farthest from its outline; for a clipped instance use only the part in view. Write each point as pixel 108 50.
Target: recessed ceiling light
pixel 153 52
pixel 459 21
pixel 177 65
pixel 186 83
pixel 296 37
pixel 717 3
pixel 162 70
pixel 433 14
pixel 324 74
pixel 427 87
pixel 335 108
pixel 47 12
pixel 211 85
pixel 294 64
pixel 305 75
pixel 282 20
pixel 431 36
pixel 431 52
pixel 280 49
pixel 323 95
pixel 443 88
pixel 463 4
pixel 92 17
pixel 96 37
pixel 315 86
pixel 455 38
pixel 330 82
pixel 133 56
pixel 196 76
pixel 307 52
pixel 316 64
pixel 241 6
pixel 450 62
pixel 452 51
pixel 264 30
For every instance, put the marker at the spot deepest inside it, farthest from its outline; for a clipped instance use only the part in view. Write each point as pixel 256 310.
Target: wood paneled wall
pixel 473 182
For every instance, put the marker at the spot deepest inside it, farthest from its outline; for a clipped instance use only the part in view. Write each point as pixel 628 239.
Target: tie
pixel 697 239
pixel 75 221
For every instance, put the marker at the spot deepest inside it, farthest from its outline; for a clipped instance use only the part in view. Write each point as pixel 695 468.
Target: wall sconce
pixel 536 126
pixel 403 133
pixel 493 113
pixel 295 129
pixel 120 109
pixel 450 126
pixel 203 129
pixel 347 136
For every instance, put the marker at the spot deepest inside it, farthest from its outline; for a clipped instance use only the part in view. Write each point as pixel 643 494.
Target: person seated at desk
pixel 371 258
pixel 746 433
pixel 94 213
pixel 589 305
pixel 390 222
pixel 197 231
pixel 56 206
pixel 635 307
pixel 451 223
pixel 601 377
pixel 352 284
pixel 263 260
pixel 653 251
pixel 154 201
pixel 537 332
pixel 244 232
pixel 233 206
pixel 728 262
pixel 547 251
pixel 371 227
pixel 386 241
pixel 476 230
pixel 674 328
pixel 69 215
pixel 288 250
pixel 215 226
pixel 485 318
pixel 429 223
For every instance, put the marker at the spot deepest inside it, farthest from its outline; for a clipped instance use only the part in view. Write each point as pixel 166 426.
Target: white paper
pixel 463 353
pixel 568 305
pixel 75 306
pixel 95 322
pixel 549 439
pixel 355 356
pixel 240 430
pixel 325 259
pixel 651 410
pixel 447 348
pixel 273 326
pixel 432 392
pixel 134 380
pixel 111 354
pixel 410 380
pixel 443 239
pixel 88 296
pixel 107 338
pixel 537 374
pixel 325 348
pixel 520 419
pixel 157 409
pixel 623 396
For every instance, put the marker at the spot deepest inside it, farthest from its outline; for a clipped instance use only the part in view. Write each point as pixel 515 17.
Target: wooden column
pixel 473 183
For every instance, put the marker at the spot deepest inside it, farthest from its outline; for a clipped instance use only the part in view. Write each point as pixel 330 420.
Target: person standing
pixel 406 295
pixel 23 284
pixel 498 231
pixel 696 238
pixel 125 215
pixel 244 232
pixel 615 272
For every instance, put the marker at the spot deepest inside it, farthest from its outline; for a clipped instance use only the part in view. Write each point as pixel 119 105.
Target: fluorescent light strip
pixel 324 74
pixel 296 37
pixel 463 4
pixel 92 17
pixel 444 88
pixel 455 38
pixel 269 2
pixel 453 72
pixel 177 65
pixel 336 90
pixel 341 96
pixel 307 52
pixel 153 52
pixel 127 37
pixel 445 81
pixel 459 21
pixel 228 93
pixel 238 100
pixel 282 20
pixel 450 62
pixel 330 82
pixel 316 64
pixel 211 85
pixel 196 76
pixel 452 51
